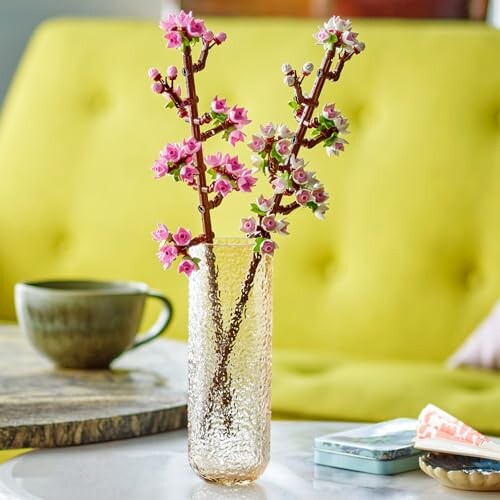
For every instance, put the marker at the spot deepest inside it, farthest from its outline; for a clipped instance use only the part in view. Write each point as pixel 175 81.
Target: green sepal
pixel 330 140
pixel 170 105
pixel 176 174
pixel 312 205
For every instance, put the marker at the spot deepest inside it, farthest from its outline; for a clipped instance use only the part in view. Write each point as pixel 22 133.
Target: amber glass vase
pixel 230 325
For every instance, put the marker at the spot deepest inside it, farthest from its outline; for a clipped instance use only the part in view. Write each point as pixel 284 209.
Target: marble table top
pixel 156 468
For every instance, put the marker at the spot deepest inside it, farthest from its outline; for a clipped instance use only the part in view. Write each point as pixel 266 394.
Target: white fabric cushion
pixel 482 347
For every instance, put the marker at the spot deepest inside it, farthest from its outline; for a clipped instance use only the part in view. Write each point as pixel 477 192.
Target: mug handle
pixel 161 323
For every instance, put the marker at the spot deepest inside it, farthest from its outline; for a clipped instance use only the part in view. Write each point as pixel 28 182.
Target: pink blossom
pixel 320 212
pixel 157 87
pixel 248 225
pixel 279 186
pixel 215 160
pixel 172 72
pixel 196 28
pixel 154 74
pixel 159 168
pixel 269 223
pixel 282 227
pixel 182 237
pixel 172 152
pixel 336 24
pixel 222 186
pixel 174 39
pixel 167 254
pixel 161 233
pixel 268 247
pixel 246 182
pixel 349 38
pixel 300 176
pixel 219 105
pixel 220 38
pixel 283 147
pixel 169 23
pixel 239 115
pixel 320 196
pixel 233 166
pixel 190 146
pixel 264 204
pixel 336 147
pixel 184 18
pixel 296 162
pixel 303 196
pixel 187 174
pixel 257 144
pixel 268 130
pixel 322 36
pixel 187 267
pixel 329 112
pixel 208 36
pixel 284 132
pixel 342 124
pixel 236 136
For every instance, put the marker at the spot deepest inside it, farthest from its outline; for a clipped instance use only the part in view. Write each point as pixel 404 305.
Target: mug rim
pixel 85 286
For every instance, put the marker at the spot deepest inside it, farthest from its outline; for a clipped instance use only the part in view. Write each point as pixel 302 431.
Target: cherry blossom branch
pixel 227 124
pixel 322 136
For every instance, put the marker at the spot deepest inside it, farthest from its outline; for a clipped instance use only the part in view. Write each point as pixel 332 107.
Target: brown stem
pixel 325 134
pixel 220 379
pixel 202 60
pixel 216 201
pixel 285 210
pixel 203 208
pixel 217 129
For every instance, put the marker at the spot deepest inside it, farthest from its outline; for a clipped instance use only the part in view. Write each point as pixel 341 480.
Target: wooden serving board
pixel 44 407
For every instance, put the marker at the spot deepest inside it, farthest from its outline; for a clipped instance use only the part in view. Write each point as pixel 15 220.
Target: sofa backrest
pixel 408 260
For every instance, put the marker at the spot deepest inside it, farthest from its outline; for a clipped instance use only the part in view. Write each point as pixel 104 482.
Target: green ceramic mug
pixel 86 324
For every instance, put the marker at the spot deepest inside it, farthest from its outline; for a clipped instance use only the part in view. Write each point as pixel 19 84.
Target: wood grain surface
pixel 44 407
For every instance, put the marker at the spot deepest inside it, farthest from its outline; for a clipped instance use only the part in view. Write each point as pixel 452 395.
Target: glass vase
pixel 229 371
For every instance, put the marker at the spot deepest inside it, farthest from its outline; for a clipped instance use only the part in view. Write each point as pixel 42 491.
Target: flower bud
pixel 308 68
pixel 157 87
pixel 154 74
pixel 220 37
pixel 172 72
pixel 208 36
pixel 289 80
pixel 286 68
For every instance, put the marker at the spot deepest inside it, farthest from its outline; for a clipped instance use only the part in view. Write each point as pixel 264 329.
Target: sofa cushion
pixel 317 386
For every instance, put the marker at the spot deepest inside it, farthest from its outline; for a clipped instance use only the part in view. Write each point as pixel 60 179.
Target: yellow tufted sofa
pixel 369 303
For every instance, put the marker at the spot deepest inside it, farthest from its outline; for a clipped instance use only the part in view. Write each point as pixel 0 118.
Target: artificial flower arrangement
pixel 229 390
pixel 276 149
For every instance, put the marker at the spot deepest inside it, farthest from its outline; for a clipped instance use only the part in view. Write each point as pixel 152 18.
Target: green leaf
pixel 218 117
pixel 258 243
pixel 313 206
pixel 170 105
pixel 212 173
pixel 330 140
pixel 176 175
pixel 276 155
pixel 293 104
pixel 196 260
pixel 256 210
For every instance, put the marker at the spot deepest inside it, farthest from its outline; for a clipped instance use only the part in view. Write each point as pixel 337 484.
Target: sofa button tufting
pixel 472 279
pixel 96 102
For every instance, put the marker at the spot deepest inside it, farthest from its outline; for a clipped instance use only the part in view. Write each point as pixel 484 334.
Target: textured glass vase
pixel 230 325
